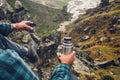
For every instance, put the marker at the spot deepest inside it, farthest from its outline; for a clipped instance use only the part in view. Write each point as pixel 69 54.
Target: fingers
pixel 27 27
pixel 71 55
pixel 27 22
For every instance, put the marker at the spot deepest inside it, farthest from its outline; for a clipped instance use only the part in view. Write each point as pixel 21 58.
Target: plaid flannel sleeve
pixel 5 29
pixel 61 72
pixel 12 67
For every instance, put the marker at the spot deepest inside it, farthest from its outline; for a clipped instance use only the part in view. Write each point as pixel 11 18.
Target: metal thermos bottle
pixel 67 46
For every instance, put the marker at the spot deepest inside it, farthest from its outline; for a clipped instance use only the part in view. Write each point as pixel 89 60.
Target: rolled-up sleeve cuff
pixel 5 29
pixel 65 66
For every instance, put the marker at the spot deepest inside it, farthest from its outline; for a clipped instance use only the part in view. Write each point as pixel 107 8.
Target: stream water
pixel 77 7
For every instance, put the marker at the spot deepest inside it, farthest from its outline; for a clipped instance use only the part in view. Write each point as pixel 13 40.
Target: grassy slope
pixel 107 48
pixel 47 18
pixel 56 3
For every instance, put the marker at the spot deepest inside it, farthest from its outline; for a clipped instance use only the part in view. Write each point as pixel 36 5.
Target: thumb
pixel 59 54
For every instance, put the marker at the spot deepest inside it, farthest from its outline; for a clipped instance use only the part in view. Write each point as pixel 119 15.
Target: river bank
pixel 77 7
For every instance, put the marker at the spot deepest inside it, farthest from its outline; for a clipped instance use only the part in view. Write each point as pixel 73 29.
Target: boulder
pixel 18 5
pixel 5 9
pixel 8 13
pixel 48 47
pixel 19 15
pixel 46 51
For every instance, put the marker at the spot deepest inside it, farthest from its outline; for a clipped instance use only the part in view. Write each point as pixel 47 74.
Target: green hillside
pixel 46 18
pixel 99 32
pixel 57 3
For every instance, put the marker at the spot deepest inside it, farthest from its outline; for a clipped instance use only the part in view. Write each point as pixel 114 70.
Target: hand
pixel 67 58
pixel 22 26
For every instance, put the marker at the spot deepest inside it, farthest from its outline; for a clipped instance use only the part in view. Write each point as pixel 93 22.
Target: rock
pixel 117 45
pixel 46 51
pixel 106 17
pixel 93 31
pixel 87 46
pixel 26 38
pixel 119 59
pixel 104 3
pixel 85 37
pixel 56 37
pixel 85 60
pixel 86 56
pixel 35 38
pixel 80 67
pixel 5 9
pixel 105 64
pixel 78 30
pixel 118 21
pixel 116 1
pixel 86 29
pixel 107 78
pixel 117 52
pixel 100 53
pixel 48 47
pixel 7 12
pixel 112 29
pixel 19 15
pixel 2 14
pixel 114 20
pixel 18 5
pixel 97 60
pixel 112 38
pixel 103 39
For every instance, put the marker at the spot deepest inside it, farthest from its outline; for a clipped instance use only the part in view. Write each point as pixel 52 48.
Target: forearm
pixel 5 29
pixel 61 72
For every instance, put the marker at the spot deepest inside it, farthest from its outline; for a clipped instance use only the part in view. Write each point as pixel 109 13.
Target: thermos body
pixel 67 49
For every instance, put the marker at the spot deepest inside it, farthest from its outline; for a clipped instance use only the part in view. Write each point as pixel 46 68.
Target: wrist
pixel 65 62
pixel 65 65
pixel 13 26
